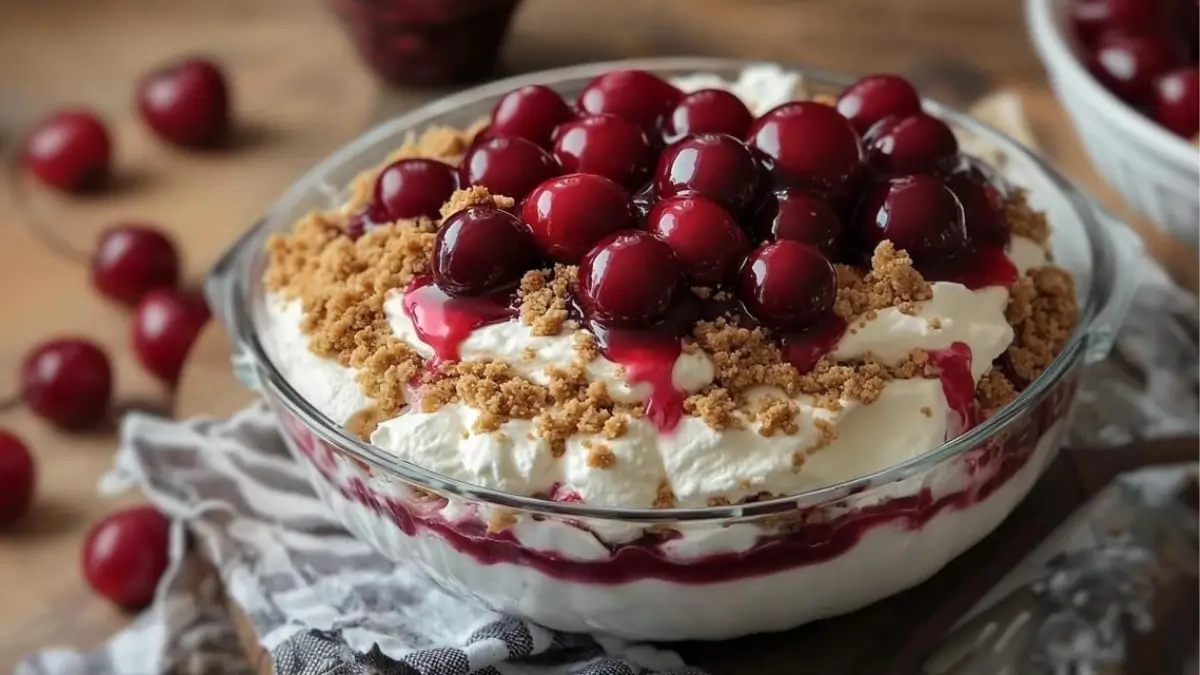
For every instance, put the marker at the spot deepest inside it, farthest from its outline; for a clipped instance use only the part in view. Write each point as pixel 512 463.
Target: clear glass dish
pixel 702 573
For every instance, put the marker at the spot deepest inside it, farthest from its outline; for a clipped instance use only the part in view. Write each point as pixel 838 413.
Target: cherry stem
pixel 38 226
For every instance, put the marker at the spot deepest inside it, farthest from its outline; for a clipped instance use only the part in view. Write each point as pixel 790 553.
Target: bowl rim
pixel 235 269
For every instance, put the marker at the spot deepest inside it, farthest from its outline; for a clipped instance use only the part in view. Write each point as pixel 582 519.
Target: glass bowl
pixel 701 573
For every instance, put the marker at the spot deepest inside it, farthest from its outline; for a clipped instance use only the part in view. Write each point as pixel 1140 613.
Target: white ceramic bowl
pixel 1155 171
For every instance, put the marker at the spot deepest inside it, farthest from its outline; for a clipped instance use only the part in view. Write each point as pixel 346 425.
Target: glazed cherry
pixel 628 280
pixel 530 112
pixel 787 285
pixel 1091 18
pixel 412 188
pixel 918 213
pixel 707 241
pixel 799 215
pixel 809 145
pixel 126 554
pixel 133 259
pixel 18 474
pixel 165 324
pixel 876 97
pixel 480 249
pixel 914 144
pixel 186 103
pixel 67 381
pixel 507 165
pixel 1177 101
pixel 1128 64
pixel 569 214
pixel 708 111
pixel 605 145
pixel 982 204
pixel 635 95
pixel 70 150
pixel 717 166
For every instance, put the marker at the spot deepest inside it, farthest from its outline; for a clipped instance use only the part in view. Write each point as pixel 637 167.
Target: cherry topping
pixel 67 381
pixel 1177 101
pixel 126 554
pixel 507 165
pixel 918 214
pixel 1128 64
pixel 411 188
pixel 605 145
pixel 706 240
pixel 165 324
pixel 798 215
pixel 787 285
pixel 186 103
pixel 809 145
pixel 982 203
pixel 480 249
pixel 132 259
pixel 708 111
pixel 530 112
pixel 635 95
pixel 876 97
pixel 1093 17
pixel 569 214
pixel 915 144
pixel 628 280
pixel 717 166
pixel 70 150
pixel 18 473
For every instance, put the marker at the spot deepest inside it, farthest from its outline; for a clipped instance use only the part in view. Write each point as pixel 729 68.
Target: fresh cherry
pixel 915 144
pixel 507 165
pixel 480 249
pixel 708 111
pixel 1091 18
pixel 569 214
pixel 67 381
pixel 635 95
pixel 186 103
pixel 799 215
pixel 706 240
pixel 70 150
pixel 126 554
pixel 982 204
pixel 132 259
pixel 530 112
pixel 809 145
pixel 605 145
pixel 628 280
pixel 165 324
pixel 18 474
pixel 717 166
pixel 1177 101
pixel 918 214
pixel 1128 64
pixel 412 188
pixel 787 285
pixel 876 97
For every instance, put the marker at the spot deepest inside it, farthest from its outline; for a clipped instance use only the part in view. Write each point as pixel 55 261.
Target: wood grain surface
pixel 300 93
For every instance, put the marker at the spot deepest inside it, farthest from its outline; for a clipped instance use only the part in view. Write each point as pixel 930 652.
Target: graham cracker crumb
pixel 826 99
pixel 364 422
pixel 490 387
pixel 891 282
pixel 744 357
pixel 500 519
pixel 616 426
pixel 585 347
pixel 829 434
pixel 777 414
pixel 926 411
pixel 440 142
pixel 934 323
pixel 600 456
pixel 1023 220
pixel 475 195
pixel 1045 327
pixel 528 354
pixel 716 407
pixel 545 296
pixel 665 498
pixel 993 392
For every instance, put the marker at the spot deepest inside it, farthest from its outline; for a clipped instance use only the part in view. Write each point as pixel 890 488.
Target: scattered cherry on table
pixel 67 381
pixel 186 103
pixel 126 554
pixel 18 477
pixel 70 150
pixel 165 324
pixel 132 259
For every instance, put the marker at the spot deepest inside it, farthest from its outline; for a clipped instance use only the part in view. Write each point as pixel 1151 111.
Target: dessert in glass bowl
pixel 679 348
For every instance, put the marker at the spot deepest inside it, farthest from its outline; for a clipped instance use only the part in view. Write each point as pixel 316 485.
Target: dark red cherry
pixel 133 259
pixel 508 166
pixel 605 145
pixel 982 203
pixel 481 249
pixel 126 554
pixel 165 324
pixel 18 475
pixel 708 111
pixel 809 145
pixel 914 144
pixel 1129 64
pixel 799 215
pixel 1177 101
pixel 67 381
pixel 1091 18
pixel 411 188
pixel 635 95
pixel 530 112
pixel 628 280
pixel 186 103
pixel 69 150
pixel 918 214
pixel 717 166
pixel 567 215
pixel 706 240
pixel 787 285
pixel 876 97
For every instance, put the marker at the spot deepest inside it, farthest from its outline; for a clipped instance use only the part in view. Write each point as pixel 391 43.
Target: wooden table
pixel 299 94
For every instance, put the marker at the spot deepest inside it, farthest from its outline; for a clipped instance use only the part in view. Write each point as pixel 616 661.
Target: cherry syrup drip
pixel 804 350
pixel 958 386
pixel 648 356
pixel 443 322
pixel 984 267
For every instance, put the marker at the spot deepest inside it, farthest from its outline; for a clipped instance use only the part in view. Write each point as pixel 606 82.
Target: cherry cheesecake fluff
pixel 674 295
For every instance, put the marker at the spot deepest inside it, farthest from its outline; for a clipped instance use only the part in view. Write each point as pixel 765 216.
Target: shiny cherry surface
pixel 481 249
pixel 605 145
pixel 706 240
pixel 787 285
pixel 809 145
pixel 567 215
pixel 507 165
pixel 716 166
pixel 628 280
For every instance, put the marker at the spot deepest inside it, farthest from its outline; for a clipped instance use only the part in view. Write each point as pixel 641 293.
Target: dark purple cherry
pixel 628 280
pixel 481 249
pixel 787 285
pixel 567 215
pixel 507 165
pixel 530 112
pixel 1128 64
pixel 411 188
pixel 799 215
pixel 809 145
pixel 635 95
pixel 983 206
pixel 876 97
pixel 706 240
pixel 914 144
pixel 605 145
pixel 717 166
pixel 708 111
pixel 918 214
pixel 1177 101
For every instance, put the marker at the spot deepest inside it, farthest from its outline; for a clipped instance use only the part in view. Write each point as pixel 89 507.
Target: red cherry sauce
pixel 984 267
pixel 804 350
pixel 443 322
pixel 648 357
pixel 958 386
